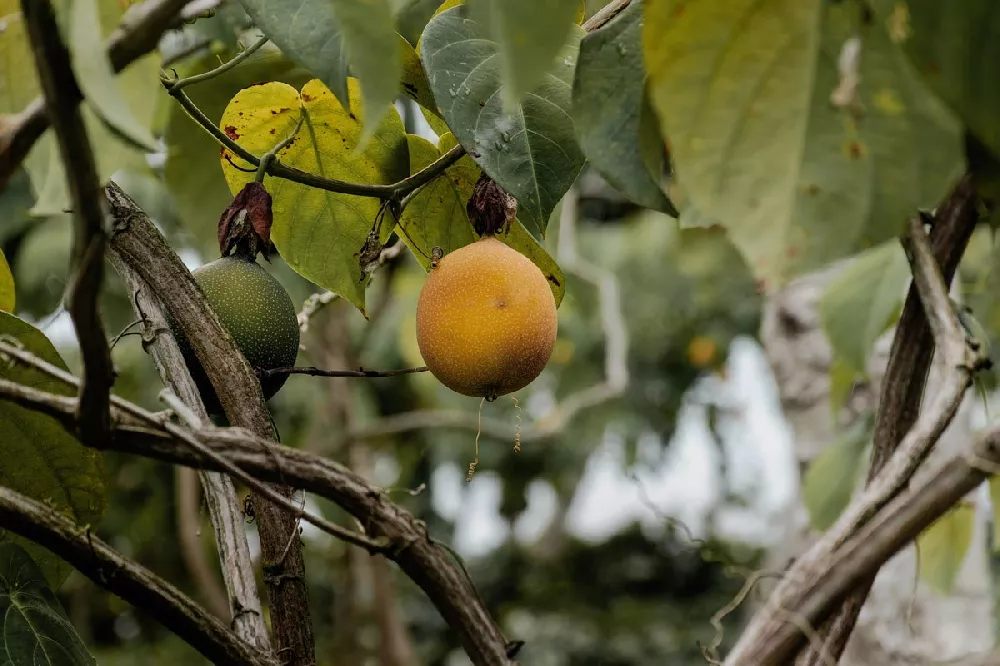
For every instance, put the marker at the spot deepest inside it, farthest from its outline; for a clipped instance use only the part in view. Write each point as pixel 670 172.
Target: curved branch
pixel 903 385
pixel 143 589
pixel 767 640
pixel 426 562
pixel 55 73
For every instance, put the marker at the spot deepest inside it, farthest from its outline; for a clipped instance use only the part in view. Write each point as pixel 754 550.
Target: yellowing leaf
pixel 942 547
pixel 437 217
pixel 320 234
pixel 6 285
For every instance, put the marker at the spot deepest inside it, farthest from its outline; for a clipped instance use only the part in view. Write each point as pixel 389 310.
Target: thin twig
pixel 138 586
pixel 172 84
pixel 604 15
pixel 58 83
pixel 317 372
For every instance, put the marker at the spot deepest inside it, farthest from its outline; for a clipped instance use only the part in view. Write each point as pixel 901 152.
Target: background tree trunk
pixel 903 621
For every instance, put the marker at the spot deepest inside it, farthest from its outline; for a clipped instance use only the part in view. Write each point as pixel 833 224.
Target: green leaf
pixel 34 628
pixel 830 481
pixel 6 285
pixel 139 89
pixel 610 111
pixel 745 89
pixel 862 301
pixel 414 81
pixel 320 234
pixel 532 152
pixel 528 35
pixel 192 170
pixel 373 51
pixel 436 217
pixel 41 460
pixel 954 47
pixel 942 547
pixel 97 79
pixel 308 32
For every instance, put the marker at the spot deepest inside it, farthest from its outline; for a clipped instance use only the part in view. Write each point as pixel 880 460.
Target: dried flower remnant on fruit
pixel 491 210
pixel 245 226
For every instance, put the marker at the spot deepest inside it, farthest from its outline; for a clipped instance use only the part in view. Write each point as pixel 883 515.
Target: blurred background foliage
pixel 637 596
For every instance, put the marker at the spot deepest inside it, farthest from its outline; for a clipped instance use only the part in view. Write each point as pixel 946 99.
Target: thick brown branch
pixel 52 61
pixel 903 387
pixel 136 37
pixel 419 556
pixel 99 562
pixel 138 244
pixel 224 506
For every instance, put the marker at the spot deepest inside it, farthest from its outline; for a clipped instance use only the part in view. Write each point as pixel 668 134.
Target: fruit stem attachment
pixel 479 431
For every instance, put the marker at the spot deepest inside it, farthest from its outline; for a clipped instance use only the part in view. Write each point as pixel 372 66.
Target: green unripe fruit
pixel 257 311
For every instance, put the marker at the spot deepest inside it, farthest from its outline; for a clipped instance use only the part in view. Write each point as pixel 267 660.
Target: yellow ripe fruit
pixel 486 320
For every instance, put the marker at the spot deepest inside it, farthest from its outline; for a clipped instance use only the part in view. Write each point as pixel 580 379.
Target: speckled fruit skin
pixel 486 320
pixel 257 312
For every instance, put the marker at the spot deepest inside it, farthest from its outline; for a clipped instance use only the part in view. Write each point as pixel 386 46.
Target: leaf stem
pixel 276 169
pixel 178 83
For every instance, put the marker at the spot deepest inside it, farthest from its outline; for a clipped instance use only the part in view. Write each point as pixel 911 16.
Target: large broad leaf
pixel 862 301
pixel 531 152
pixel 34 628
pixel 437 217
pixel 942 547
pixel 613 121
pixel 528 34
pixel 954 46
pixel 745 91
pixel 320 234
pixel 40 459
pixel 134 104
pixel 308 32
pixel 97 79
pixel 373 53
pixel 831 478
pixel 6 285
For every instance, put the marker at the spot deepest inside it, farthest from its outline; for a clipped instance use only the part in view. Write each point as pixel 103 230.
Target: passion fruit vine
pixel 486 317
